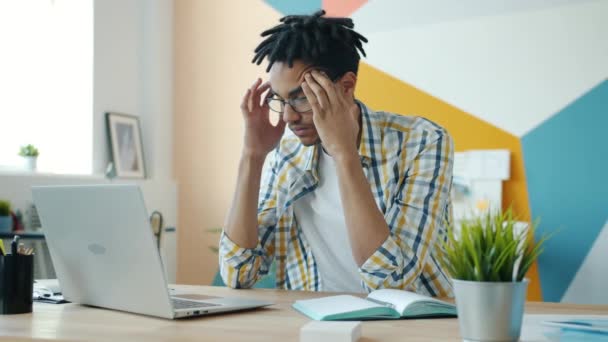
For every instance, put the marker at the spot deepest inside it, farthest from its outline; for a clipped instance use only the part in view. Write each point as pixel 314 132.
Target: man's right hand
pixel 260 135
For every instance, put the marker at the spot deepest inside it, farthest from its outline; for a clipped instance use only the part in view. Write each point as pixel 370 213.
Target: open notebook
pixel 380 304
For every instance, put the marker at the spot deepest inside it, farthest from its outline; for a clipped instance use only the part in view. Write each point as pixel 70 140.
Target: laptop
pixel 104 253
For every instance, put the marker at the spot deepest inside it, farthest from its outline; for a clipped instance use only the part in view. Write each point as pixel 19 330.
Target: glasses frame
pixel 286 102
pixel 289 102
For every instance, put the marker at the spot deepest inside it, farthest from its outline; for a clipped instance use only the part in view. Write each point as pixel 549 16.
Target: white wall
pixel 388 15
pixel 159 194
pixel 589 284
pixel 512 70
pixel 133 74
pixel 511 63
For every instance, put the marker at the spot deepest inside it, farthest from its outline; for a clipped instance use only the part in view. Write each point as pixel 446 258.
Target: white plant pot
pixel 490 311
pixel 29 163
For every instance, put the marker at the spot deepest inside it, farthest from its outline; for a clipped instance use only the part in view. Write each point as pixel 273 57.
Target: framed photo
pixel 126 149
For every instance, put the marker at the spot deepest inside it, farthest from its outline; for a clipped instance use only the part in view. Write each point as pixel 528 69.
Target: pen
pixel 577 323
pixel 14 245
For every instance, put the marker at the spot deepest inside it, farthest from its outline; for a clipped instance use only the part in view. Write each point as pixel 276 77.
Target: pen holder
pixel 16 284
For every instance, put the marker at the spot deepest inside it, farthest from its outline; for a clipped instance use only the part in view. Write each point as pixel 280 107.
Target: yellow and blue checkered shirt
pixel 408 163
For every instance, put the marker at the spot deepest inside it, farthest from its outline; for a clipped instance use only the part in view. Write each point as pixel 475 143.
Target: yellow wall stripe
pixel 381 91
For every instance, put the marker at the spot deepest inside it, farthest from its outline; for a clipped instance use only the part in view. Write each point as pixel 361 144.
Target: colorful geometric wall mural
pixel 550 109
pixel 566 162
pixel 334 8
pixel 381 91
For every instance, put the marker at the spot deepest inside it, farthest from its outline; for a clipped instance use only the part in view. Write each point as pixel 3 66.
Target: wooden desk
pixel 278 323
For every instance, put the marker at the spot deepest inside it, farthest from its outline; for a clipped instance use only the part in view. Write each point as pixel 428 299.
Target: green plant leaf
pixel 5 208
pixel 28 151
pixel 487 248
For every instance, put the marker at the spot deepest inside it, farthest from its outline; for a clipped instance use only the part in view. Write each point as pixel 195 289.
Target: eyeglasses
pixel 298 104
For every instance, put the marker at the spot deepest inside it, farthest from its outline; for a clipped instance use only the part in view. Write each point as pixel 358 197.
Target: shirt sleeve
pixel 414 217
pixel 242 267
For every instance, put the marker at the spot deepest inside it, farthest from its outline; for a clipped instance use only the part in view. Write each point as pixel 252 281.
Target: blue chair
pixel 267 282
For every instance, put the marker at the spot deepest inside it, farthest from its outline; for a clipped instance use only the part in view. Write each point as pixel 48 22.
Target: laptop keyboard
pixel 188 304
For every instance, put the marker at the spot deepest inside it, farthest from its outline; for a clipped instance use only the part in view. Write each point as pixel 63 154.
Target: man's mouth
pixel 301 131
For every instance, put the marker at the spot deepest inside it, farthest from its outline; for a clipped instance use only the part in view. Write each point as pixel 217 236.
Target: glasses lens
pixel 275 105
pixel 301 105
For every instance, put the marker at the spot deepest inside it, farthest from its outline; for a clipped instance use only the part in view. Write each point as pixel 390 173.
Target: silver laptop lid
pixel 102 247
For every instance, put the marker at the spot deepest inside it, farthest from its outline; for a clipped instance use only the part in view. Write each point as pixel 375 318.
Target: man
pixel 354 200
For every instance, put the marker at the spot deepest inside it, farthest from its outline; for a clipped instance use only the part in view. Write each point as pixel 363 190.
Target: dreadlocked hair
pixel 328 43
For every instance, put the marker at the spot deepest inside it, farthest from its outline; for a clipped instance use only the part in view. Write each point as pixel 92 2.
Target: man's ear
pixel 348 82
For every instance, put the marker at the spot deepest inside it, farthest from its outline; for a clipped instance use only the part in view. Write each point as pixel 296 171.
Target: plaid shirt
pixel 408 164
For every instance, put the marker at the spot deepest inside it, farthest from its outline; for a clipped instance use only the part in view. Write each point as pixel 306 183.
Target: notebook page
pixel 336 305
pixel 401 299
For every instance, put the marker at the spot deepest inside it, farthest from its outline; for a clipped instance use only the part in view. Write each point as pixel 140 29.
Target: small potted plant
pixel 487 261
pixel 6 221
pixel 29 153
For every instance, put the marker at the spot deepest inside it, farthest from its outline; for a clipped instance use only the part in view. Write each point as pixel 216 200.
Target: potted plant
pixel 487 261
pixel 6 221
pixel 29 153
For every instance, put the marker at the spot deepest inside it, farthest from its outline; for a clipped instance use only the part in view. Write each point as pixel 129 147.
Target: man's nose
pixel 290 115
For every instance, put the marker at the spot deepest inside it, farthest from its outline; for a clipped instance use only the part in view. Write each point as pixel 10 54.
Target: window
pixel 46 83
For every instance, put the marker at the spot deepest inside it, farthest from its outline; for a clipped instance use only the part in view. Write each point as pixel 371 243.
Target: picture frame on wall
pixel 126 147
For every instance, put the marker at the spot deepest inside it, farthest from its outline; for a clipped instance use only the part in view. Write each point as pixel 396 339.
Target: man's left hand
pixel 335 114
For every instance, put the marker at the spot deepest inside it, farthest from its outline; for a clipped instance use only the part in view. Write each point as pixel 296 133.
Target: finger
pixel 268 94
pixel 265 100
pixel 258 93
pixel 345 96
pixel 311 97
pixel 251 92
pixel 245 101
pixel 326 84
pixel 265 107
pixel 318 91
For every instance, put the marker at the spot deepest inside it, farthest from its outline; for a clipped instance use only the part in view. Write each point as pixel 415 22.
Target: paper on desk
pixel 51 285
pixel 56 299
pixel 48 291
pixel 533 330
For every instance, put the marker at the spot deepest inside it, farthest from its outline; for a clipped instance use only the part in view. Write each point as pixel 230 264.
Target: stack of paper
pixel 572 328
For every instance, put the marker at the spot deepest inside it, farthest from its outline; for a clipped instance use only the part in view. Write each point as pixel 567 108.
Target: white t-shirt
pixel 321 219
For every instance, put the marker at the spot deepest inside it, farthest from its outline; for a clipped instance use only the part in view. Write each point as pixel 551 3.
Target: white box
pixel 319 331
pixel 483 164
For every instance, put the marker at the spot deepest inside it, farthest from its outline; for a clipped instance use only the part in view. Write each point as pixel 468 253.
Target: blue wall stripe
pixel 287 7
pixel 566 161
